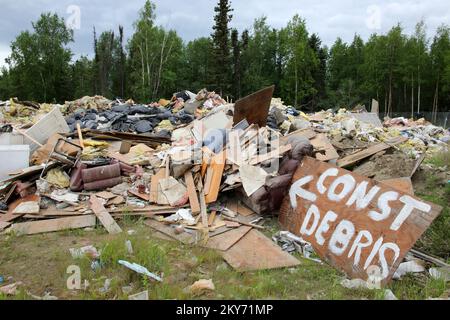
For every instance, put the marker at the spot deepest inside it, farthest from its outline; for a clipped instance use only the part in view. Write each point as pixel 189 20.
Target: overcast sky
pixel 192 19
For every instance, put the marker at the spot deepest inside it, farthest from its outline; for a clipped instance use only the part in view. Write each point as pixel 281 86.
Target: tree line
pixel 405 73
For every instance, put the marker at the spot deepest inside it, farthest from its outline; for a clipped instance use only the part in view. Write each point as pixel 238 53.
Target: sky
pixel 194 18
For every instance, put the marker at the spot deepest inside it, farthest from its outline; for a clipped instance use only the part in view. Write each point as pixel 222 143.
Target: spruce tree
pixel 221 47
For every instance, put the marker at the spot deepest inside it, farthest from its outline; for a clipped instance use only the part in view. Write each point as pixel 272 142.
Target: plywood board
pixel 52 225
pixel 103 215
pixel 361 226
pixel 254 108
pixel 226 240
pixel 167 230
pixel 355 157
pixel 257 252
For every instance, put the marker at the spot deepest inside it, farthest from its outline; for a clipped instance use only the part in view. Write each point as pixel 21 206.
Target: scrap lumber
pixel 353 158
pixel 244 223
pixel 103 215
pixel 154 185
pixel 418 254
pixel 226 240
pixel 254 108
pixel 80 135
pixel 184 237
pixel 211 218
pixel 143 196
pixel 52 225
pixel 217 165
pixel 192 192
pixel 255 251
pixel 10 216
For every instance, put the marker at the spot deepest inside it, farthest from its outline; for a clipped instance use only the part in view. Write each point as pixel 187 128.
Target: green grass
pixel 440 159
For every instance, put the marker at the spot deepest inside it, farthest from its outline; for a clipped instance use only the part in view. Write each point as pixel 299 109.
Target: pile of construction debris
pixel 200 170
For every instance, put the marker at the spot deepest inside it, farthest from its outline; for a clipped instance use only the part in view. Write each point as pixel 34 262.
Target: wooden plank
pixel 321 142
pixel 254 108
pixel 355 157
pixel 226 240
pixel 154 184
pixel 143 196
pixel 80 135
pixel 52 225
pixel 208 180
pixel 218 165
pixel 402 184
pixel 103 215
pixel 255 251
pixel 339 211
pixel 211 218
pixel 192 192
pixel 243 210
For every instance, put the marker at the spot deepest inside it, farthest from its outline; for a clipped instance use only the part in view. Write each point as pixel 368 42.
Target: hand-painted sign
pixel 356 223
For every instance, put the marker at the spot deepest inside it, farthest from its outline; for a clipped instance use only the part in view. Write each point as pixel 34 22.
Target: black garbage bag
pixel 91 124
pixel 122 108
pixel 139 109
pixel 143 126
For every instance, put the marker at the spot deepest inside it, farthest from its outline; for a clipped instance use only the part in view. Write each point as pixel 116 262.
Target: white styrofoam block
pixel 8 138
pixel 13 158
pixel 52 122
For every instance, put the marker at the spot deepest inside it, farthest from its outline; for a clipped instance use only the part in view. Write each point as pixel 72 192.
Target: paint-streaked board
pixel 103 215
pixel 403 184
pixel 255 251
pixel 52 225
pixel 226 240
pixel 359 225
pixel 355 157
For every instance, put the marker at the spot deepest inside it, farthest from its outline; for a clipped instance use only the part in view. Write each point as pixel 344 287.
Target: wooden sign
pixel 359 225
